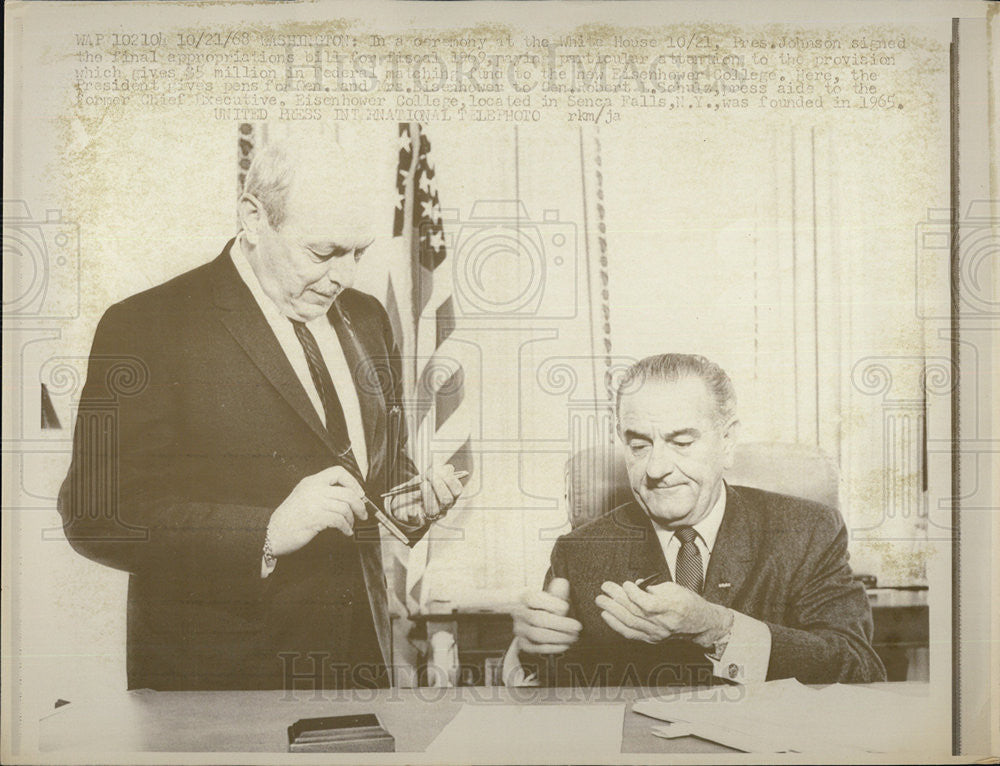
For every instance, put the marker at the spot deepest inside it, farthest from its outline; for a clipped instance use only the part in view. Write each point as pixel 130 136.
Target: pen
pixel 406 489
pixel 386 522
pixel 648 582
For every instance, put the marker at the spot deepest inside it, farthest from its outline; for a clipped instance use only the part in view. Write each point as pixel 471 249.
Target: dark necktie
pixel 690 572
pixel 371 614
pixel 336 423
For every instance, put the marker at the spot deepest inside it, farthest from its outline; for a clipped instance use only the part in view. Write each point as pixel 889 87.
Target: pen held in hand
pixel 406 489
pixel 656 579
pixel 386 522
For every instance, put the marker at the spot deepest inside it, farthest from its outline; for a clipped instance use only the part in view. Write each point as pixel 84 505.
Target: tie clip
pixel 725 585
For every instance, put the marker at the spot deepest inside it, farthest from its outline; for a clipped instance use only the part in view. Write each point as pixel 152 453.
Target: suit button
pixel 734 670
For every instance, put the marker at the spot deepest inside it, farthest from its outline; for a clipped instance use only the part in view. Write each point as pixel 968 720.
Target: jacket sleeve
pixel 124 501
pixel 525 669
pixel 558 564
pixel 826 635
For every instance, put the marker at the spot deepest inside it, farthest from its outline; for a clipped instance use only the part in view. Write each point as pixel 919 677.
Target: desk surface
pixel 257 721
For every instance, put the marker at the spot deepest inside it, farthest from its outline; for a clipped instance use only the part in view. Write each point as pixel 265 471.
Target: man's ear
pixel 253 218
pixel 730 433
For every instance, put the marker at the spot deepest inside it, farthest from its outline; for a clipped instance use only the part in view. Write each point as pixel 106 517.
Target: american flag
pixel 421 309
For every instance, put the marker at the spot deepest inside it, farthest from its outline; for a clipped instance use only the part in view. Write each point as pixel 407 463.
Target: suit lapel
pixel 244 320
pixel 364 373
pixel 643 553
pixel 367 383
pixel 733 554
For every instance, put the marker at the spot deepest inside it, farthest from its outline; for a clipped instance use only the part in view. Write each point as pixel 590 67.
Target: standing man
pixel 752 586
pixel 263 403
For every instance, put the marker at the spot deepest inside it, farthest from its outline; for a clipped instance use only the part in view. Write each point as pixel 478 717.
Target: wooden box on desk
pixel 340 734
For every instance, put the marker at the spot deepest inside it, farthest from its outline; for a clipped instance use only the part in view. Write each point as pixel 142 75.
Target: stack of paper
pixel 785 716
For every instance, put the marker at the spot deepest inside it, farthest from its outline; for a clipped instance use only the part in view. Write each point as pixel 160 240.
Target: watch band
pixel 269 558
pixel 719 647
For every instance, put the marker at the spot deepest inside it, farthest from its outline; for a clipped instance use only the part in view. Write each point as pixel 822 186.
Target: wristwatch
pixel 719 647
pixel 269 558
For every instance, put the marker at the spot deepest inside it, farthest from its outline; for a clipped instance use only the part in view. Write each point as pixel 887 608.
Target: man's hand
pixel 541 624
pixel 439 489
pixel 330 499
pixel 667 610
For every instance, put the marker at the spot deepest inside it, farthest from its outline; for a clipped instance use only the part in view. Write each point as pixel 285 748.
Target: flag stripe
pixel 448 397
pixel 462 458
pixel 49 417
pixel 445 320
pixel 438 382
pixel 392 309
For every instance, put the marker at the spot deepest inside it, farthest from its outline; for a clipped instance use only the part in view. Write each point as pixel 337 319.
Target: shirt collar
pixel 249 276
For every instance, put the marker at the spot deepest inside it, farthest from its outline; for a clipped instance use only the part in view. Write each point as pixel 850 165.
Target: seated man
pixel 752 585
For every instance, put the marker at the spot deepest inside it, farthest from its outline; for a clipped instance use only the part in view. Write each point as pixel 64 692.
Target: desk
pixel 901 636
pixel 256 721
pixel 902 632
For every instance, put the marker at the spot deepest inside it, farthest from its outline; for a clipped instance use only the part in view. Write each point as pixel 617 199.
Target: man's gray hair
pixel 269 179
pixel 669 368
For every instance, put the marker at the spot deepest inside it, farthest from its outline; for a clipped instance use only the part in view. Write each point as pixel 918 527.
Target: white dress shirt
pixel 330 349
pixel 747 652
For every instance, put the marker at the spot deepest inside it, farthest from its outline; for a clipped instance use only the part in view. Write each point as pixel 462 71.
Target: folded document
pixel 785 716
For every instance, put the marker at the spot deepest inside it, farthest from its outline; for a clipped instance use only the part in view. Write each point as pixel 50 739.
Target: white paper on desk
pixel 523 733
pixel 782 716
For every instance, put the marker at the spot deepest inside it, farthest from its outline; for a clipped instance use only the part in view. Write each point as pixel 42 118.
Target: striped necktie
pixel 690 570
pixel 336 423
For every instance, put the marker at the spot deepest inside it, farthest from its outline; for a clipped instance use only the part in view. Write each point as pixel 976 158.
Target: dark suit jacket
pixel 785 562
pixel 192 429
